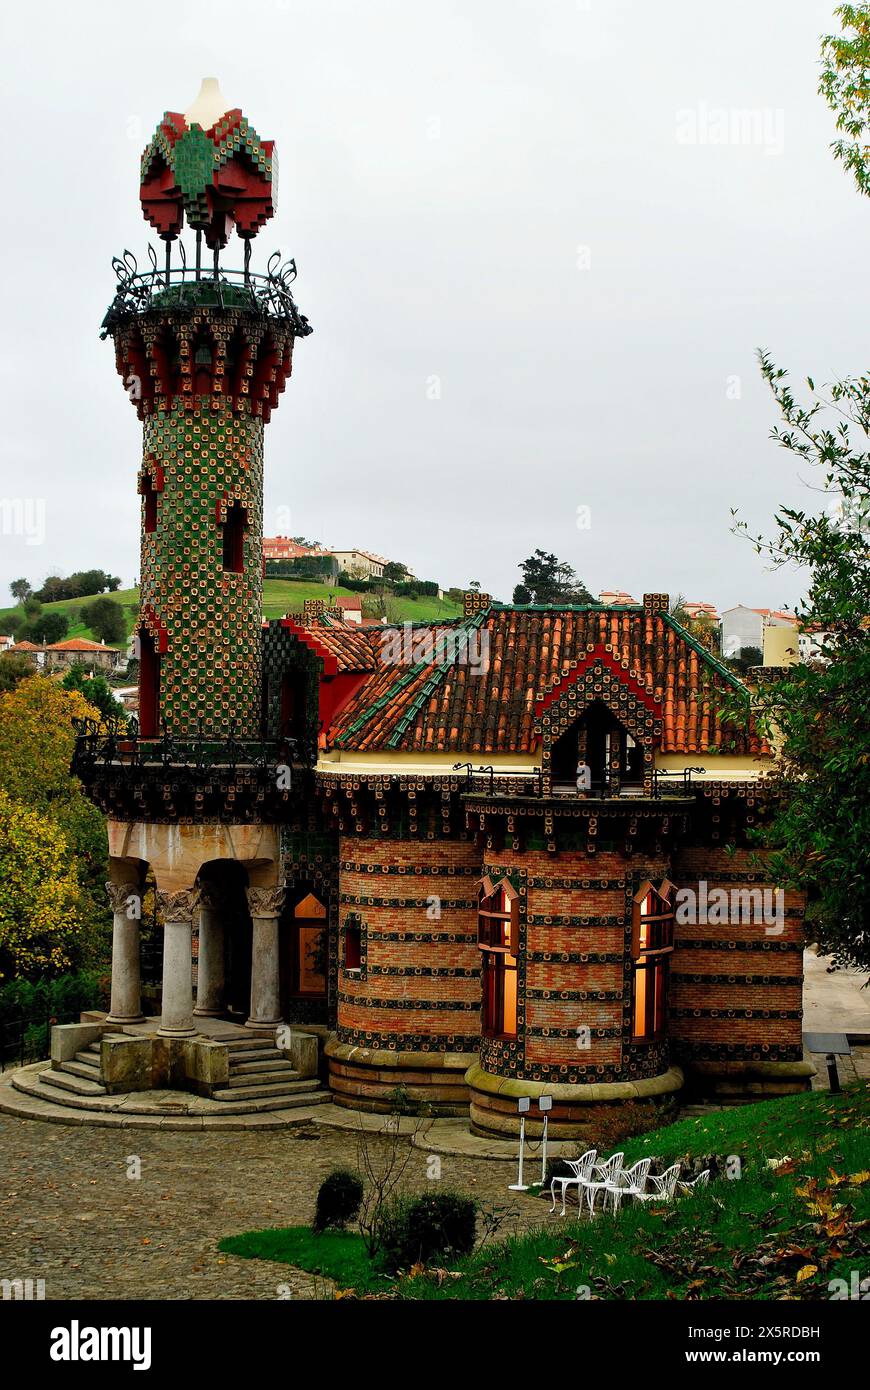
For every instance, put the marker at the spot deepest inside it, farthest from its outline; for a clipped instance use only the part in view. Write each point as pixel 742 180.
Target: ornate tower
pixel 204 354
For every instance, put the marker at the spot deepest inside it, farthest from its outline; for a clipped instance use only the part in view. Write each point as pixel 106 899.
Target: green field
pixel 280 596
pixel 768 1232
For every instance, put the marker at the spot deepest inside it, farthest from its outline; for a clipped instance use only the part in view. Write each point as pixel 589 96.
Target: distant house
pixel 283 548
pixel 612 596
pixel 698 609
pixel 79 651
pixel 744 627
pixel 360 563
pixel 30 649
pixel 6 643
pixel 351 609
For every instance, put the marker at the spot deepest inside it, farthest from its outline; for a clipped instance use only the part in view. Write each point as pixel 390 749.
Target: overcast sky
pixel 537 277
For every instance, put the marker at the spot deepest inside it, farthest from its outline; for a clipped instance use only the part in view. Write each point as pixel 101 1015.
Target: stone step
pixel 249 1044
pixel 256 1055
pixel 89 1059
pixel 270 1087
pixel 80 1069
pixel 66 1081
pixel 261 1064
pixel 263 1078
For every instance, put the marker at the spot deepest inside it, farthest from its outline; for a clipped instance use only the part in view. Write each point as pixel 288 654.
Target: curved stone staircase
pixel 261 1082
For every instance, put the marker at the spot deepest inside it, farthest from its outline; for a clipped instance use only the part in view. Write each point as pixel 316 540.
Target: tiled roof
pixel 27 647
pixel 77 644
pixel 343 648
pixel 452 706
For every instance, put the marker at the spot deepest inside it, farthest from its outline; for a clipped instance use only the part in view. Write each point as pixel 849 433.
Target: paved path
pixel 70 1215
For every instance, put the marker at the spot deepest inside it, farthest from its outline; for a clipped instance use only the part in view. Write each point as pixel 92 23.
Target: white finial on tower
pixel 209 106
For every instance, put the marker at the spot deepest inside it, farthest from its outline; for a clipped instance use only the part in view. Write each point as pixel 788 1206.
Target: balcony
pixel 188 778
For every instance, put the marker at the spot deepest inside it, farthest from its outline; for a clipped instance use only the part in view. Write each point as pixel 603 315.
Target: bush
pixel 414 1229
pixel 338 1200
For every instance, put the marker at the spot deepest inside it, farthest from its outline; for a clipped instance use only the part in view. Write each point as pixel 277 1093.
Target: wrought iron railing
pixel 115 742
pixel 486 780
pixel 184 286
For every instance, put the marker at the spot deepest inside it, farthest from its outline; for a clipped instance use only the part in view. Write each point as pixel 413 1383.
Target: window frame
pixel 498 940
pixel 652 945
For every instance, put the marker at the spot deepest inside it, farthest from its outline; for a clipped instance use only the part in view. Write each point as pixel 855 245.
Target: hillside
pixel 280 596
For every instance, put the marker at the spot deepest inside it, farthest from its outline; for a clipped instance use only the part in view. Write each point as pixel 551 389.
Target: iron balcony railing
pixel 487 781
pixel 183 286
pixel 115 742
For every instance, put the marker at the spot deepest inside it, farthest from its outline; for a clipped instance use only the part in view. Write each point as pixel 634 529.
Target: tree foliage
pixel 547 579
pixel 818 714
pixel 105 618
pixel 42 797
pixel 845 85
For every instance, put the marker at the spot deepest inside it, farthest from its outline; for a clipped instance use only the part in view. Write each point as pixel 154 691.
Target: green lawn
pixel 773 1233
pixel 280 596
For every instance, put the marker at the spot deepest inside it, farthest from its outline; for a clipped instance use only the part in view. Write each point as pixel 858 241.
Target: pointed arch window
pixel 498 939
pixel 652 945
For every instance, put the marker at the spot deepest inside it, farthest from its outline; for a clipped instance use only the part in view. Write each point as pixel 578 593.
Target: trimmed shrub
pixel 338 1200
pixel 415 1229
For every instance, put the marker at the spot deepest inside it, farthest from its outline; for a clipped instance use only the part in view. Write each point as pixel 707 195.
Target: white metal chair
pixel 582 1167
pixel 662 1188
pixel 629 1182
pixel 601 1175
pixel 690 1185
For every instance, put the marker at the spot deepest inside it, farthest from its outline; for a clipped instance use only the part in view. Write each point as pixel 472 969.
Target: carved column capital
pixel 120 894
pixel 179 906
pixel 211 896
pixel 265 902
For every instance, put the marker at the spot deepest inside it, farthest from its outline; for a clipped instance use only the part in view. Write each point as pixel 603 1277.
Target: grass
pixel 280 596
pixel 772 1233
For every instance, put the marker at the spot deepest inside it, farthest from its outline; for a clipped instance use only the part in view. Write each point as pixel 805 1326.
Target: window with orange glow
pixel 652 944
pixel 498 941
pixel 309 925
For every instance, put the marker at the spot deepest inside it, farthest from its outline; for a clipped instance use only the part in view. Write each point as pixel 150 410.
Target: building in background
pixel 744 627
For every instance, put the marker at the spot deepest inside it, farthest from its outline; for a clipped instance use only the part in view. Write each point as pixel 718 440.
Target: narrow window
pixel 149 492
pixel 149 686
pixel 498 942
pixel 352 945
pixel 234 538
pixel 652 944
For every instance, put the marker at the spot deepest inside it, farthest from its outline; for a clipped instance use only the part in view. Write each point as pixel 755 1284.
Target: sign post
pixel 523 1107
pixel 545 1105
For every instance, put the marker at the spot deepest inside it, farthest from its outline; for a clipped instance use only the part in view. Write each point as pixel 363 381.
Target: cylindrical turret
pixel 204 357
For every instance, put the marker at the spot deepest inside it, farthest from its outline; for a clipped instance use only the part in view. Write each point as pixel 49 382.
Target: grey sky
pixel 498 194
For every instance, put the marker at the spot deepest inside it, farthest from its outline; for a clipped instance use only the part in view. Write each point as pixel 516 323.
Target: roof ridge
pixel 702 651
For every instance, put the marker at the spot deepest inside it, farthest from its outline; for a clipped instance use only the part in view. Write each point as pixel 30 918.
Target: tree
pixel 546 579
pixel 40 914
pixel 105 618
pixel 819 714
pixel 746 658
pixel 845 83
pixel 13 668
pixel 36 745
pixel 95 689
pixel 45 627
pixel 393 569
pixel 20 589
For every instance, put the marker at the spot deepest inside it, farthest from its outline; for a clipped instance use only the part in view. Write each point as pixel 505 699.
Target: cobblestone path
pixel 70 1215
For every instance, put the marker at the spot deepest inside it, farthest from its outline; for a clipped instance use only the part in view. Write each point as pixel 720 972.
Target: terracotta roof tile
pixel 454 706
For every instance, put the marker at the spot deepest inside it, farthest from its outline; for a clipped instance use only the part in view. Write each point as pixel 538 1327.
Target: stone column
pixel 126 1001
pixel 176 1020
pixel 211 977
pixel 265 905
